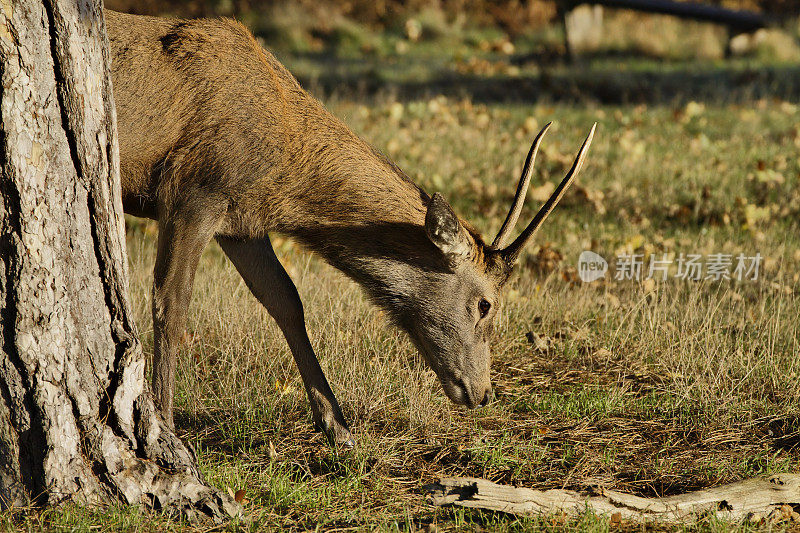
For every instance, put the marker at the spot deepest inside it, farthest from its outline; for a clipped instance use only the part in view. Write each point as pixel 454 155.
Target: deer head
pixel 455 306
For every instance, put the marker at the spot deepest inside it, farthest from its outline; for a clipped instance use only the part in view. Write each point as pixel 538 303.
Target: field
pixel 654 387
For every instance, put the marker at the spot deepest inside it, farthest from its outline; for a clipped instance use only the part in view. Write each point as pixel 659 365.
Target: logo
pixel 591 266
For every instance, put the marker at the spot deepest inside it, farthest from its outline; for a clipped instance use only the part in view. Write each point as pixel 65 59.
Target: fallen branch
pixel 750 499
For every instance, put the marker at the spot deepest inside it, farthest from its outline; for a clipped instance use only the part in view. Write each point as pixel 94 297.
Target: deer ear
pixel 445 231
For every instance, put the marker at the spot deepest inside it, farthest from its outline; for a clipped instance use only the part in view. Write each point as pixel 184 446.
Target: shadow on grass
pixel 210 429
pixel 653 83
pixel 785 432
pixel 236 436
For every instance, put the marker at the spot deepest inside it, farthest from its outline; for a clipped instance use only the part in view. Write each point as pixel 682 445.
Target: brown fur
pixel 273 139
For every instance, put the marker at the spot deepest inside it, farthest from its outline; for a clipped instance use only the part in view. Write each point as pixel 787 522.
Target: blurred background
pixel 653 387
pixel 513 49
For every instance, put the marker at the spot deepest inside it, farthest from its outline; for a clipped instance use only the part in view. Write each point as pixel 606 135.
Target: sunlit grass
pixel 654 389
pixel 650 388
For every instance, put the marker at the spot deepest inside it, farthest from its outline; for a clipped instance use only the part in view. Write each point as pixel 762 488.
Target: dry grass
pixel 650 389
pixel 661 36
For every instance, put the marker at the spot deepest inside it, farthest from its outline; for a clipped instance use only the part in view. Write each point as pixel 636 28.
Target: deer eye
pixel 483 307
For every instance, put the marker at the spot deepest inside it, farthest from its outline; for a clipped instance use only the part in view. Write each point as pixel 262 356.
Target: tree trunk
pixel 77 422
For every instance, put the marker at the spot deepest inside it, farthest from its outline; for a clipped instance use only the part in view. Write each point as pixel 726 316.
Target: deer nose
pixel 461 393
pixel 488 397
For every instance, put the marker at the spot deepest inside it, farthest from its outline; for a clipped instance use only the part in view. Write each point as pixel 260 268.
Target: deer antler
pixel 522 190
pixel 511 253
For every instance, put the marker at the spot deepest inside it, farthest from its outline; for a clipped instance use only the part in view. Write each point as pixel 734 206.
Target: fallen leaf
pixel 754 214
pixel 571 276
pixel 694 109
pixel 531 125
pixel 540 343
pixel 593 197
pixel 542 193
pixel 602 353
pixel 546 259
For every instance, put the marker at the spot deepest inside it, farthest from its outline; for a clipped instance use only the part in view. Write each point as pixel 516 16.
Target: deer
pixel 217 140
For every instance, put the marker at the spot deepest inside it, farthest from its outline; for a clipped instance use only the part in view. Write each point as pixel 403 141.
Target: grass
pixel 651 388
pixel 654 390
pixel 639 59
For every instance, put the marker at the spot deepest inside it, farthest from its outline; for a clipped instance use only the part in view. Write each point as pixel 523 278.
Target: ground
pixel 654 387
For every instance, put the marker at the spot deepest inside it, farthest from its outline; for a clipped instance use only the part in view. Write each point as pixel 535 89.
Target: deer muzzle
pixel 464 392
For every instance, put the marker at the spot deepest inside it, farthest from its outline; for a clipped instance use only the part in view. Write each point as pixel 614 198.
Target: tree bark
pixel 77 422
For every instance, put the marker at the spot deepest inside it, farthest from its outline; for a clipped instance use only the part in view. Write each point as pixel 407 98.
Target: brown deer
pixel 218 140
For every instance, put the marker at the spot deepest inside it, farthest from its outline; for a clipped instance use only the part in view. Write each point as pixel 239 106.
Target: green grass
pixel 640 59
pixel 654 390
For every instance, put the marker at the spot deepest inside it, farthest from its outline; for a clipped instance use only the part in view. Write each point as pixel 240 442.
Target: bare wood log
pixel 737 20
pixel 77 422
pixel 736 501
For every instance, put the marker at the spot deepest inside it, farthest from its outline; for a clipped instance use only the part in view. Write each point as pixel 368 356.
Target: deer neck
pixel 363 216
pixel 342 182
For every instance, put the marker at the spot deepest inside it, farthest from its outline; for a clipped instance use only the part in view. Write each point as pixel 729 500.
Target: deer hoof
pixel 339 436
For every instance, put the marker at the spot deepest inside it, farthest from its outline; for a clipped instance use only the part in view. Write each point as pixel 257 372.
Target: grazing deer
pixel 218 140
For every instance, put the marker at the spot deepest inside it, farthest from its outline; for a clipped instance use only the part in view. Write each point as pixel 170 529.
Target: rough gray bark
pixel 754 499
pixel 77 422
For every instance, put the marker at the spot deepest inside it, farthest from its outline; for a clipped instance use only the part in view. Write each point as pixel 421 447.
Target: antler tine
pixel 511 253
pixel 522 189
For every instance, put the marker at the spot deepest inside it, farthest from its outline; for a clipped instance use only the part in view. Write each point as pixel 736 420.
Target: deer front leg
pixel 271 285
pixel 182 235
